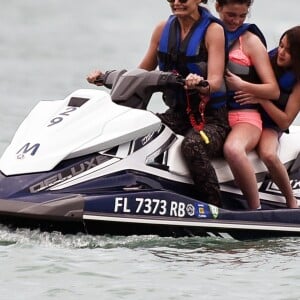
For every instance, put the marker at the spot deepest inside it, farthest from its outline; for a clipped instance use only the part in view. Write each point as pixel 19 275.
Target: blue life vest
pixel 188 56
pixel 233 36
pixel 286 82
pixel 247 73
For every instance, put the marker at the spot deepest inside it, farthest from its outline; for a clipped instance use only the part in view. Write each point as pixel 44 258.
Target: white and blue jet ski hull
pixel 88 164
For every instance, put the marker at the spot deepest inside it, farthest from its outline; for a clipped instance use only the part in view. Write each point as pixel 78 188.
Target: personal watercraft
pixel 98 162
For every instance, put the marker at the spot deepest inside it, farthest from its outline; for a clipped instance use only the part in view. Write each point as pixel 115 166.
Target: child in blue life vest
pixel 249 70
pixel 278 115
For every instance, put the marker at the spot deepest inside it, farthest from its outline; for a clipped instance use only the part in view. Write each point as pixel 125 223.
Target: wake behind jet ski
pixel 100 163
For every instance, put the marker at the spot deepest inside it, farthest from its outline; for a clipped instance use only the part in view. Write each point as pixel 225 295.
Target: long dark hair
pixel 225 2
pixel 293 39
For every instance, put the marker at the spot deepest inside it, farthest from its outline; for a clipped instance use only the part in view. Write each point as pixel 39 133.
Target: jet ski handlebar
pixel 134 88
pixel 165 78
pixel 202 83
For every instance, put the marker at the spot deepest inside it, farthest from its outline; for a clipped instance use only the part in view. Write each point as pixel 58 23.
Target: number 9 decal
pixel 59 119
pixel 55 121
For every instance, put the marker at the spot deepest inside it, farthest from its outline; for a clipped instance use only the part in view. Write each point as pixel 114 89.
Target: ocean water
pixel 47 48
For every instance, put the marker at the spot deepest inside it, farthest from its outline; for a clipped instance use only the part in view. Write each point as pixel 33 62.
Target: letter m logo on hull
pixel 27 148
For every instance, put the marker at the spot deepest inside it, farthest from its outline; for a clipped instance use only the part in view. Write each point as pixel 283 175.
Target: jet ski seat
pixel 178 166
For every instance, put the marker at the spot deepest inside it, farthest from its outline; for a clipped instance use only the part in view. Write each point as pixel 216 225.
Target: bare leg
pixel 267 150
pixel 242 139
